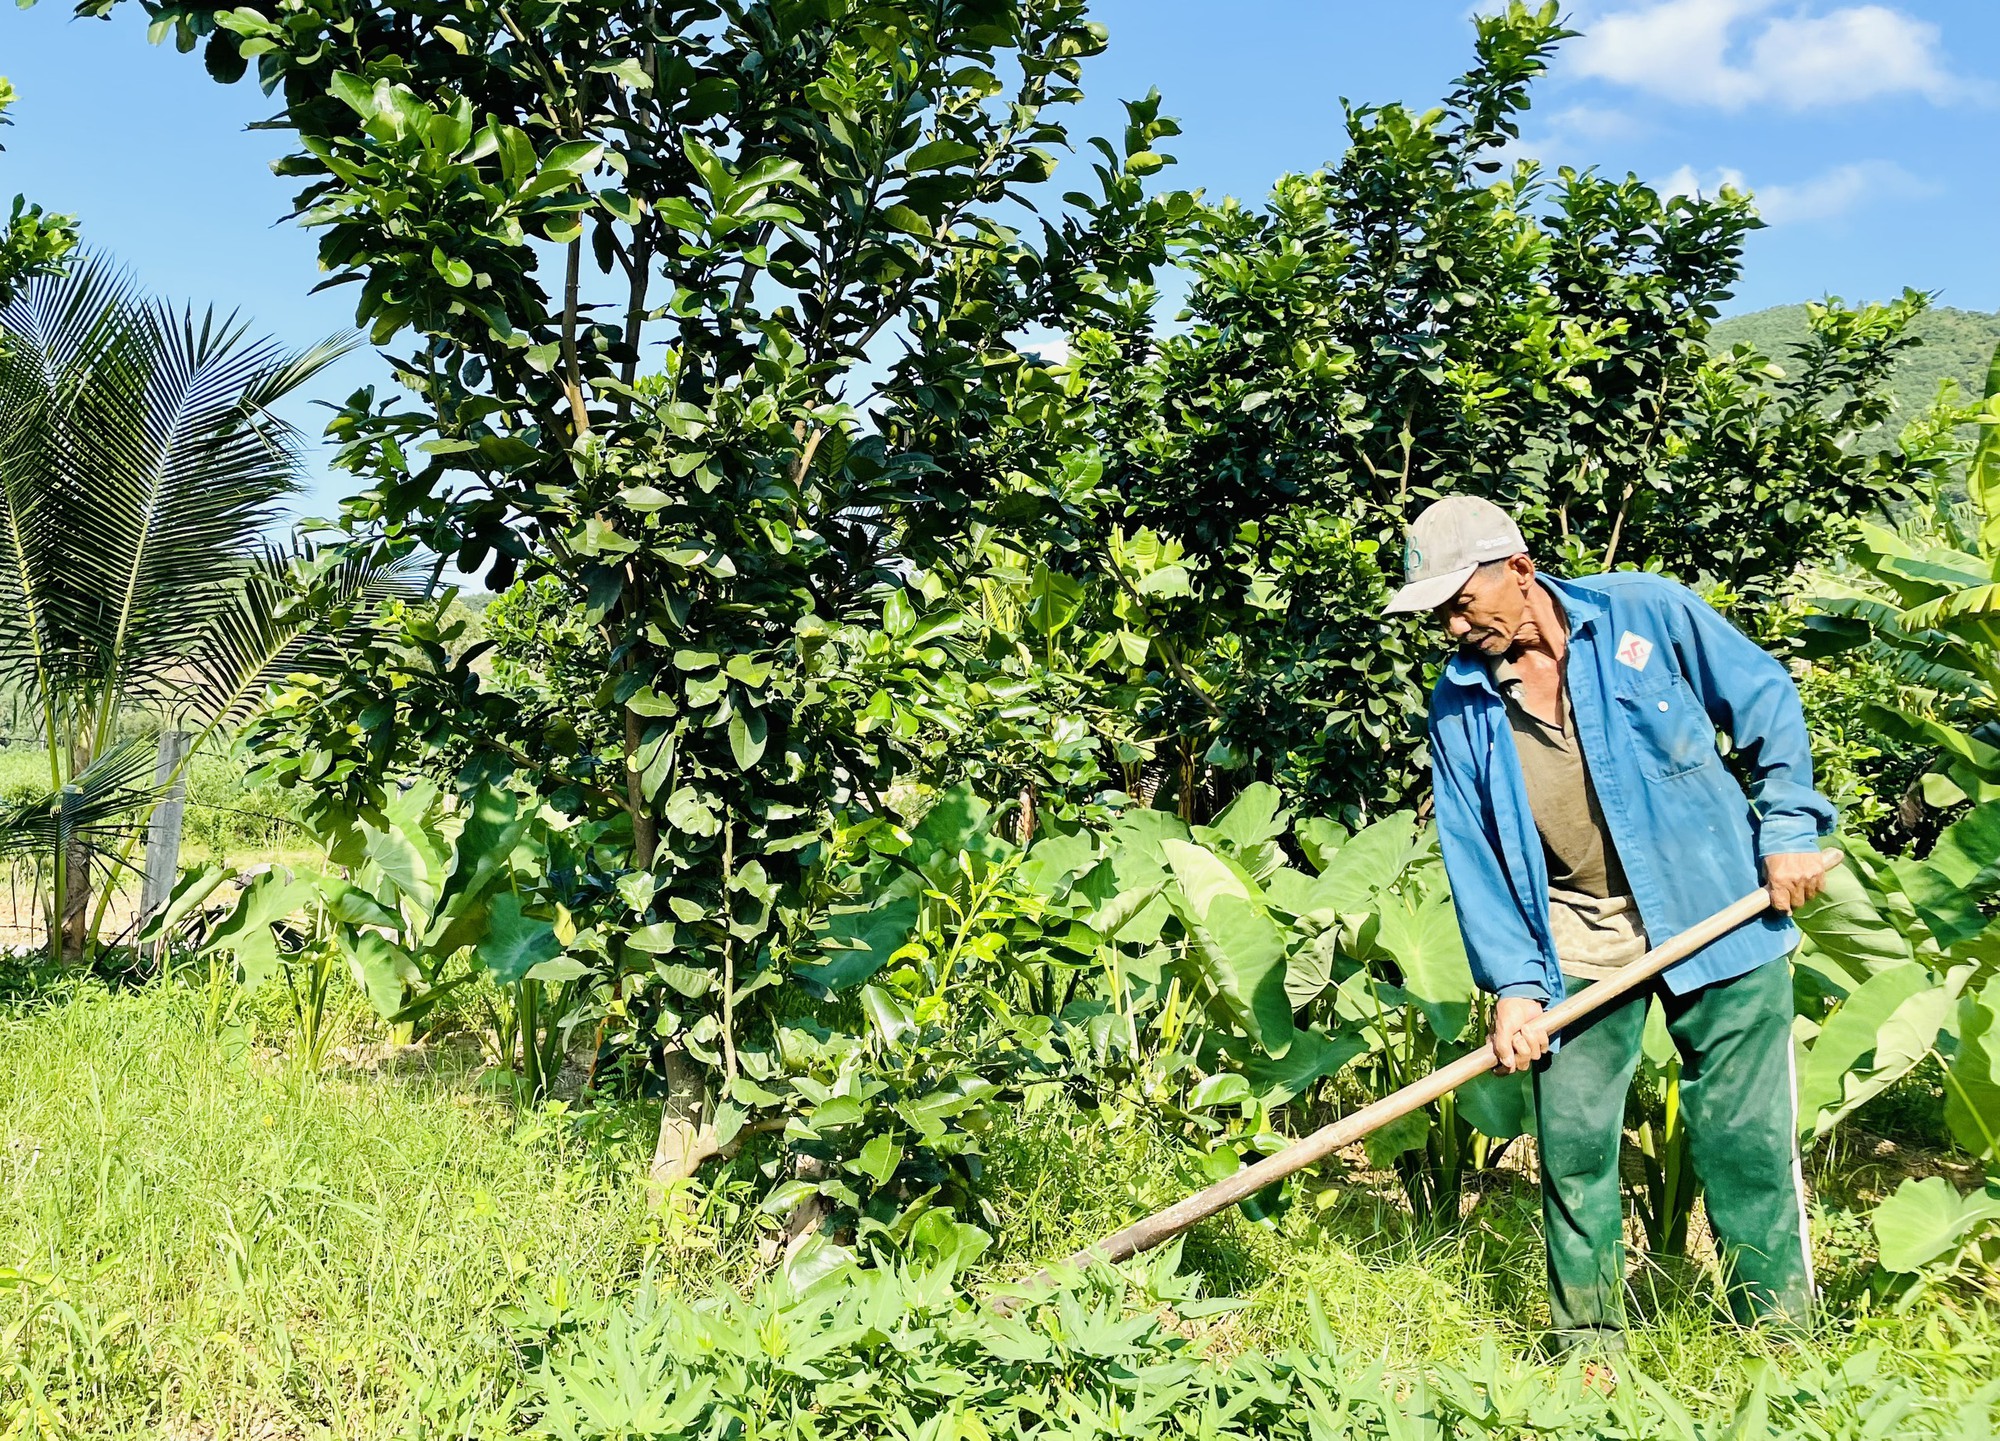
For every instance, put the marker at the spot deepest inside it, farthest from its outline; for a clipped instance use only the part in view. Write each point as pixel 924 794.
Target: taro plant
pixel 420 902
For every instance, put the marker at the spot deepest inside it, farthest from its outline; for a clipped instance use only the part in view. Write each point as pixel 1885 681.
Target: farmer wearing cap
pixel 1585 814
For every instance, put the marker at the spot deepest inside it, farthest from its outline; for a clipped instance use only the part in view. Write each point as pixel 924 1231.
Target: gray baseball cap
pixel 1447 543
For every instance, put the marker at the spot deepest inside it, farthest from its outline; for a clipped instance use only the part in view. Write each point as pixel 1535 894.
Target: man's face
pixel 1490 609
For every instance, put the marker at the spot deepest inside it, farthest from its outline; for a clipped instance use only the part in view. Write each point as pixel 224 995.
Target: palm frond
pixel 268 628
pixel 143 464
pixel 101 807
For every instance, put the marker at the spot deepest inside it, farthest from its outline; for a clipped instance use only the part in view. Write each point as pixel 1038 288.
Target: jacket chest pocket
pixel 1671 734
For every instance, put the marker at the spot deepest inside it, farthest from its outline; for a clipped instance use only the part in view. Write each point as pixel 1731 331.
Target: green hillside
pixel 1957 343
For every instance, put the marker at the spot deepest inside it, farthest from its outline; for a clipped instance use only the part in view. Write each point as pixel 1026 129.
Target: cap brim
pixel 1428 594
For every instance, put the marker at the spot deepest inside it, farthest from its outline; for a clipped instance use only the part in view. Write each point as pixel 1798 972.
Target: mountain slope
pixel 1957 344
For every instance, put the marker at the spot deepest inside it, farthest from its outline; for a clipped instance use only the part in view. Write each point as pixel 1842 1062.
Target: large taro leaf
pixel 1289 890
pixel 1238 946
pixel 1055 862
pixel 1921 1222
pixel 1309 969
pixel 1428 949
pixel 1249 829
pixel 1320 839
pixel 514 944
pixel 1499 1106
pixel 406 861
pixel 1848 937
pixel 246 930
pixel 1406 1133
pixel 352 906
pixel 383 970
pixel 1972 1086
pixel 1312 1055
pixel 1134 876
pixel 1370 862
pixel 1134 843
pixel 957 821
pixel 482 859
pixel 1878 1034
pixel 859 939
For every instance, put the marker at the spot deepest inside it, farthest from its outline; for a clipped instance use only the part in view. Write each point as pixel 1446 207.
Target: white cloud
pixel 1823 197
pixel 1733 53
pixel 1572 136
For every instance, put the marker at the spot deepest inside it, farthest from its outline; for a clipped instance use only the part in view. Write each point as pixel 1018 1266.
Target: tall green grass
pixel 197 1238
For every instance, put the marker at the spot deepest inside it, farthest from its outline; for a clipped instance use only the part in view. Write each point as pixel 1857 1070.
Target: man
pixel 1585 814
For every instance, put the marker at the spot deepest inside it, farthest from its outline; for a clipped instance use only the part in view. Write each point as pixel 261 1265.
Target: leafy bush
pixel 902 1353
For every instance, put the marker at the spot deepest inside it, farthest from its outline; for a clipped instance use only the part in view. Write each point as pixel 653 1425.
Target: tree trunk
pixel 687 1135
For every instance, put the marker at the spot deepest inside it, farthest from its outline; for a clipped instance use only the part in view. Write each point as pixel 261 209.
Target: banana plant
pixel 1927 596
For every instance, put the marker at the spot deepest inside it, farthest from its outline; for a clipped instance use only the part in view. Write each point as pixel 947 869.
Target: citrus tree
pixel 661 282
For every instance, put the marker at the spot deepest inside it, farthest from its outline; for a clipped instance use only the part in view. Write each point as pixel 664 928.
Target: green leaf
pixel 1405 1133
pixel 1370 861
pixel 909 222
pixel 455 271
pixel 957 821
pixel 858 940
pixel 654 940
pixel 887 1017
pixel 405 861
pixel 383 970
pixel 1875 1037
pixel 352 906
pixel 1255 816
pixel 246 930
pixel 1226 1088
pixel 1972 1085
pixel 1845 930
pixel 878 1160
pixel 1238 949
pixel 1499 1106
pixel 1429 950
pixel 746 738
pixel 1311 1056
pixel 1924 1221
pixel 514 943
pixel 1320 839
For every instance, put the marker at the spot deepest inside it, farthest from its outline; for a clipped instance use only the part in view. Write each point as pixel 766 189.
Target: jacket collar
pixel 1584 605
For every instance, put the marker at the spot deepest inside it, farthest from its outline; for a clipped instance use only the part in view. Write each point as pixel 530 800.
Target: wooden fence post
pixel 163 835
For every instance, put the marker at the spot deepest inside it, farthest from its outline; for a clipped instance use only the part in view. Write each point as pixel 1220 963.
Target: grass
pixel 199 1239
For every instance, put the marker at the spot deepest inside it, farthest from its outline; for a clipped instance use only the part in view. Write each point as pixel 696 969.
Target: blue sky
pixel 1865 129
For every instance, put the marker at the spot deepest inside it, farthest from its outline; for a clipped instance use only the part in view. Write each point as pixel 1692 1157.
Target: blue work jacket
pixel 1653 673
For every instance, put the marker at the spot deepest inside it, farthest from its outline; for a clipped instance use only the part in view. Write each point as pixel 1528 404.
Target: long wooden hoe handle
pixel 1165 1225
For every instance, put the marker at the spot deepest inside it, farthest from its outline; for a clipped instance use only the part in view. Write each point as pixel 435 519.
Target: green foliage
pixel 685 475
pixel 897 1354
pixel 1187 972
pixel 33 243
pixel 139 469
pixel 1954 348
pixel 1407 322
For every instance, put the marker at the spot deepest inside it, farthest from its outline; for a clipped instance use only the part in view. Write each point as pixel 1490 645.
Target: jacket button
pixel 1663 705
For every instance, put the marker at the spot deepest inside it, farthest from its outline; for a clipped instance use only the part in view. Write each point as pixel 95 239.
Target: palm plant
pixel 141 468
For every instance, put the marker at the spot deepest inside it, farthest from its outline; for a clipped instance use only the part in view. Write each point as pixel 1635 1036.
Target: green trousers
pixel 1739 1099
